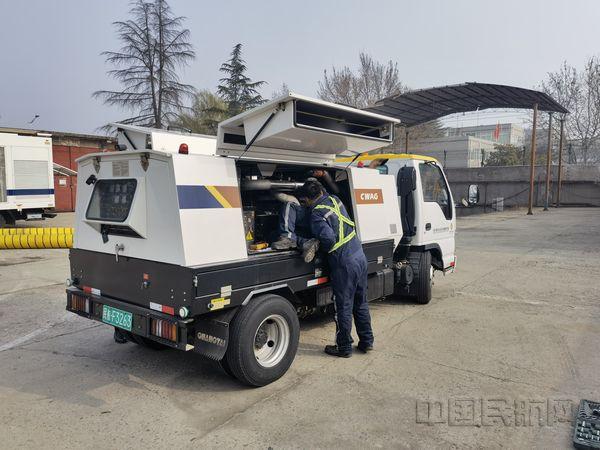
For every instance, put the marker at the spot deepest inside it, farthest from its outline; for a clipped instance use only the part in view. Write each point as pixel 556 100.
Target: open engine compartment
pixel 260 184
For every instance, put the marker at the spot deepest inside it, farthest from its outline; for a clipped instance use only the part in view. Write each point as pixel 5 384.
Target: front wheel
pixel 423 276
pixel 263 340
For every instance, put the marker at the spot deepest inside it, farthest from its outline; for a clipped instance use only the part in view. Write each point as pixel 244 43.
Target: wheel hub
pixel 271 340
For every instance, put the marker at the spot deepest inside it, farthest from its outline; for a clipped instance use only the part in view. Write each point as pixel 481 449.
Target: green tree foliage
pixel 511 155
pixel 204 115
pixel 505 155
pixel 155 46
pixel 236 88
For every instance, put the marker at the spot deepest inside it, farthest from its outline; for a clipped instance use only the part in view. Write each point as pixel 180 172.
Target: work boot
pixel 365 348
pixel 286 198
pixel 284 243
pixel 333 350
pixel 309 249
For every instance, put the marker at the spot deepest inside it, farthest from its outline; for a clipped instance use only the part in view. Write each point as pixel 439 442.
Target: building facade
pixel 502 133
pixel 455 151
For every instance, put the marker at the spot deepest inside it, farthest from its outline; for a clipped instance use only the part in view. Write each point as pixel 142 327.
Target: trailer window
pixel 435 188
pixel 111 200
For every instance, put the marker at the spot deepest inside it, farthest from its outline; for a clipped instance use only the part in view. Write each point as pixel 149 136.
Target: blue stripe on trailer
pixel 196 197
pixel 29 191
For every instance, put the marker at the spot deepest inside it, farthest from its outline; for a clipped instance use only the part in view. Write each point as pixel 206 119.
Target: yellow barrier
pixel 46 230
pixel 14 238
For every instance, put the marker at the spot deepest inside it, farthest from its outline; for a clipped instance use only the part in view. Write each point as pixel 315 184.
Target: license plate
pixel 116 317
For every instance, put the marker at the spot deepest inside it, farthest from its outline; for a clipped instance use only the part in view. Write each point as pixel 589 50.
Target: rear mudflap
pixel 211 334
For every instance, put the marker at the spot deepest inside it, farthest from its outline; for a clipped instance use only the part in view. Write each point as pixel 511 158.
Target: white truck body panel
pixel 178 220
pixel 303 129
pixel 143 138
pixel 26 172
pixel 376 206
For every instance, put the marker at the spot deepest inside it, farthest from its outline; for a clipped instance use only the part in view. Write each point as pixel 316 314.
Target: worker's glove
pixel 309 249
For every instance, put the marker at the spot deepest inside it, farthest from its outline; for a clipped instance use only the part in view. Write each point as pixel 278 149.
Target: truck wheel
pixel 263 340
pixel 225 366
pixel 423 276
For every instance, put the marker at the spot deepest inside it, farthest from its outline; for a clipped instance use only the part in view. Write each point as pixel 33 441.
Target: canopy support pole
pixel 532 160
pixel 548 162
pixel 406 141
pixel 560 151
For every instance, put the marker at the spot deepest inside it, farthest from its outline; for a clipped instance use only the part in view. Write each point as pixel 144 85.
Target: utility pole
pixel 406 141
pixel 548 162
pixel 560 150
pixel 532 160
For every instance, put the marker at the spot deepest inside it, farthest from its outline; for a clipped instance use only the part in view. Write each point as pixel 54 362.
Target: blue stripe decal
pixel 29 191
pixel 196 197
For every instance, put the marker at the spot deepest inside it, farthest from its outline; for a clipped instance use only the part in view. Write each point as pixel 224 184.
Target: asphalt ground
pixel 499 358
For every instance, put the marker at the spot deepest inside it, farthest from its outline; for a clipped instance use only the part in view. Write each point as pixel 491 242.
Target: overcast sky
pixel 50 59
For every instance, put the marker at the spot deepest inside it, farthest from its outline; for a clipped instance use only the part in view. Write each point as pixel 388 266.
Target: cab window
pixel 435 188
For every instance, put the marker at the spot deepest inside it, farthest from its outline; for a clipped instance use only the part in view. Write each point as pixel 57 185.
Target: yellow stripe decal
pixel 216 194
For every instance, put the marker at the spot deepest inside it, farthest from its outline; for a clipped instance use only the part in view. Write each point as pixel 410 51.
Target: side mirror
pixel 473 197
pixel 406 180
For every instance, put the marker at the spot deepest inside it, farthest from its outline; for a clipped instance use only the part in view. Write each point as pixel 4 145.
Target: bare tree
pixel 579 92
pixel 155 46
pixel 283 90
pixel 373 81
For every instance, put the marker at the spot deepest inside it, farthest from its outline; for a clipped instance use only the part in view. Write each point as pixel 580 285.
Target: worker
pixel 294 228
pixel 336 233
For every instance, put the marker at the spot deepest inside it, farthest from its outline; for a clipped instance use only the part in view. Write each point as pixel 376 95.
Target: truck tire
pixel 422 280
pixel 225 366
pixel 263 340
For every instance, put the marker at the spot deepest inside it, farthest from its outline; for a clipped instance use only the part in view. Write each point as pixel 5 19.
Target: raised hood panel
pixel 301 128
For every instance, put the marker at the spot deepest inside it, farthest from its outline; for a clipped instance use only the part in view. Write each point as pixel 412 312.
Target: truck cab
pixel 172 246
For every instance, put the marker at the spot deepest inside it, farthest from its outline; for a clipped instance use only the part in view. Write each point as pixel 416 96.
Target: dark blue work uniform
pixel 348 265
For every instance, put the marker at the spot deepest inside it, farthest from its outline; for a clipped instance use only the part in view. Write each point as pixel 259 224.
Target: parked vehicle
pixel 166 242
pixel 26 178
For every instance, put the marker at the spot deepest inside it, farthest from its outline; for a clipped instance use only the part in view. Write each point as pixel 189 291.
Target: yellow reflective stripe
pixel 216 194
pixel 336 209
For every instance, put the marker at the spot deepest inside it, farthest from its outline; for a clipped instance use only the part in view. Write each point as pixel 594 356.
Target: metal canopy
pixel 420 106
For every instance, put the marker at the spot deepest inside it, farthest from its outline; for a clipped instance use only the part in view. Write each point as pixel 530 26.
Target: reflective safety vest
pixel 342 238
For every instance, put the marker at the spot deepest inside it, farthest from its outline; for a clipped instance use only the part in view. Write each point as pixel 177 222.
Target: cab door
pixel 436 223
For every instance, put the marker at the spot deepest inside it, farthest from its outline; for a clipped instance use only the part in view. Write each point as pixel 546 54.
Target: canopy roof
pixel 423 105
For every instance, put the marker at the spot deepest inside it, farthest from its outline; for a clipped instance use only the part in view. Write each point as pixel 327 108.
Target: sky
pixel 50 60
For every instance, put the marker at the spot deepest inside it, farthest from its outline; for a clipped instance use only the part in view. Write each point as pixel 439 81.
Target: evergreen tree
pixel 237 89
pixel 155 46
pixel 204 115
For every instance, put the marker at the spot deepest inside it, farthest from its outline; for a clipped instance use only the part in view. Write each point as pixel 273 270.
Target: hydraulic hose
pixel 30 238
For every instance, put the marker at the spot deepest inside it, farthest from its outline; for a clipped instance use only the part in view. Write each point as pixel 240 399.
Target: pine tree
pixel 237 89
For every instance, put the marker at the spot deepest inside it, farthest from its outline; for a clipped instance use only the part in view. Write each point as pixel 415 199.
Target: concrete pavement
pixel 507 343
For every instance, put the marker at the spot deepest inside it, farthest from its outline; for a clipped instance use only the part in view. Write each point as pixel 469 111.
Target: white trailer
pixel 26 177
pixel 162 252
